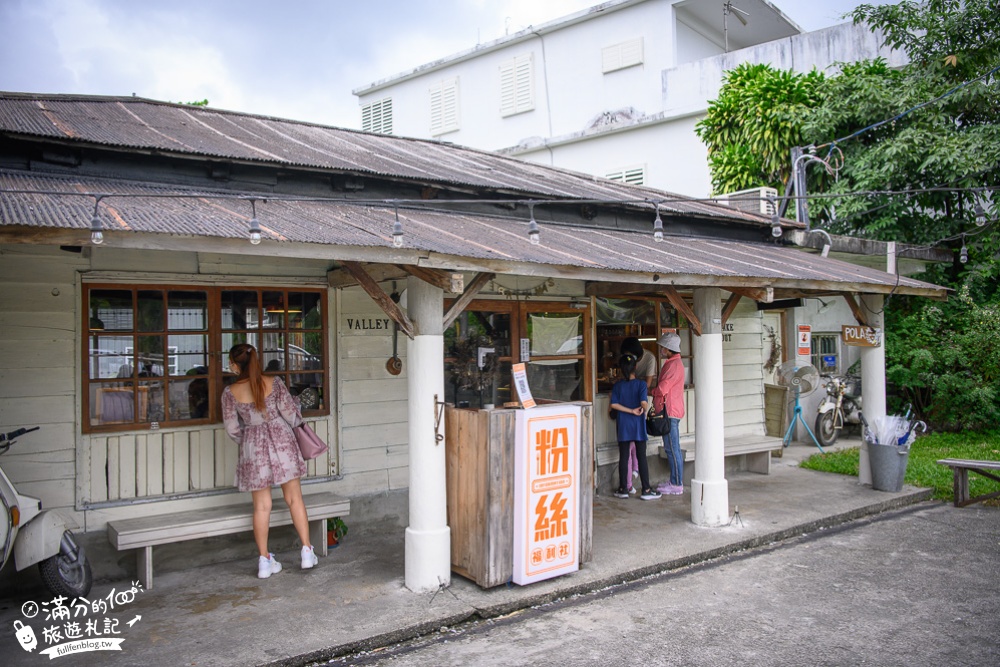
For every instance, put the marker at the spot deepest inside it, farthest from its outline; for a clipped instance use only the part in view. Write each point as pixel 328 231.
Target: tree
pixel 753 124
pixel 932 129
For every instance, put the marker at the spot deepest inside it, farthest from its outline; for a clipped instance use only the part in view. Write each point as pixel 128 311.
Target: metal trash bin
pixel 888 464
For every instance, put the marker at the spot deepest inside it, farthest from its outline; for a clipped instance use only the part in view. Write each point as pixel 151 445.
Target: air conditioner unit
pixel 754 200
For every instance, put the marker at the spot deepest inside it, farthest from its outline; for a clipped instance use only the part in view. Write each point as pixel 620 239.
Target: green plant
pixel 922 468
pixel 337 526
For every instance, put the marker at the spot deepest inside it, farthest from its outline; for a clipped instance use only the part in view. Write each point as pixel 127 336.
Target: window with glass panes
pixel 825 356
pixel 158 355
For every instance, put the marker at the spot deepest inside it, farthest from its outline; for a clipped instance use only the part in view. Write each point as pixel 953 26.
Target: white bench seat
pixel 756 448
pixel 143 533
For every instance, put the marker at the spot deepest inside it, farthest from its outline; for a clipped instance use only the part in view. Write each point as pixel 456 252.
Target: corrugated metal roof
pixel 490 240
pixel 136 124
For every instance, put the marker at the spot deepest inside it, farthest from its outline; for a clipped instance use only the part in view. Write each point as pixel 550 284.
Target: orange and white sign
pixel 521 384
pixel 546 493
pixel 805 340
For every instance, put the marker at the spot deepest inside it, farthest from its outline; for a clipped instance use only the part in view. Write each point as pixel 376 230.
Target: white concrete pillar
pixel 872 377
pixel 428 537
pixel 709 488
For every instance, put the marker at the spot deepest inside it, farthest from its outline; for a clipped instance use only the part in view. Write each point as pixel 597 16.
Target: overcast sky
pixel 296 59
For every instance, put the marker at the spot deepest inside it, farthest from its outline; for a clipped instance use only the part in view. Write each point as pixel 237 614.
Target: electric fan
pixel 802 379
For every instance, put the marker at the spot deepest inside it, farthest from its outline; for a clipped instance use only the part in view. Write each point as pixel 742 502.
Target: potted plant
pixel 336 529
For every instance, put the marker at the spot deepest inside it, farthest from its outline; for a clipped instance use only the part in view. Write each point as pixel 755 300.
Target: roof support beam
pixel 478 283
pixel 730 306
pixel 447 281
pixel 762 294
pixel 378 295
pixel 378 272
pixel 648 291
pixel 859 314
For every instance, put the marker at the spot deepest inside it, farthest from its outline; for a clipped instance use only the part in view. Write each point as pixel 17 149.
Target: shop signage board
pixel 546 493
pixel 859 336
pixel 805 340
pixel 521 385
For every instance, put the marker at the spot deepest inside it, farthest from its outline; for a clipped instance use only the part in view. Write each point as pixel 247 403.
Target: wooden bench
pixel 961 468
pixel 756 448
pixel 144 533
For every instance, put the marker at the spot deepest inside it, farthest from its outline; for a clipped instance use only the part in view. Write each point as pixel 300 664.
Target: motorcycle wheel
pixel 66 574
pixel 825 432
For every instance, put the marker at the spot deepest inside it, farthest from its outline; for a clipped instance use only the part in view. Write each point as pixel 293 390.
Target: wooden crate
pixel 480 479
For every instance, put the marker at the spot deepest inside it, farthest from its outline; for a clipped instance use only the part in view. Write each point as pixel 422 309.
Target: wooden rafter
pixel 446 280
pixel 388 306
pixel 762 294
pixel 378 272
pixel 730 306
pixel 859 314
pixel 478 283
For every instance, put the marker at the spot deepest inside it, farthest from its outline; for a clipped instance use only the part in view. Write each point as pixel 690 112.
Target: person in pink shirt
pixel 669 394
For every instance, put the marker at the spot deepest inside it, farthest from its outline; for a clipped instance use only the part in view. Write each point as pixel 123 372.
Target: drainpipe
pixel 428 537
pixel 548 107
pixel 709 489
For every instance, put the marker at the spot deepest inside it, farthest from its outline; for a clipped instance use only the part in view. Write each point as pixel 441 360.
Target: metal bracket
pixel 438 416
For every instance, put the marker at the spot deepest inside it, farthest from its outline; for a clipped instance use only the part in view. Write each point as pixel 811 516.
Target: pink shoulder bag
pixel 310 444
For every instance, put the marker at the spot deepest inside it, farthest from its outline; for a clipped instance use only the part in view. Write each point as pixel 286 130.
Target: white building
pixel 615 90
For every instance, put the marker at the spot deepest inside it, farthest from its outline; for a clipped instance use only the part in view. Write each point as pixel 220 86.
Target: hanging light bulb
pixel 980 215
pixel 397 232
pixel 658 225
pixel 96 226
pixel 775 219
pixel 963 254
pixel 254 225
pixel 534 233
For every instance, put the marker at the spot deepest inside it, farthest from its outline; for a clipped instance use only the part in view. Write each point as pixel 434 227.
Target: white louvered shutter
pixel 377 116
pixel 444 107
pixel 517 85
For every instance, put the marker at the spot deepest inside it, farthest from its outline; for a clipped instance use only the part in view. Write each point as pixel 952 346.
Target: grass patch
pixel 922 468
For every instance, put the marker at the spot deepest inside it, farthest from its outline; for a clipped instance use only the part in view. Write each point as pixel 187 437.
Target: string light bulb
pixel 254 225
pixel 980 215
pixel 963 254
pixel 96 226
pixel 658 225
pixel 534 233
pixel 397 232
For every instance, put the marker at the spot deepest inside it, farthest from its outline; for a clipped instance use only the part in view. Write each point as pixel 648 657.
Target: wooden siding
pixel 172 462
pixel 38 386
pixel 373 407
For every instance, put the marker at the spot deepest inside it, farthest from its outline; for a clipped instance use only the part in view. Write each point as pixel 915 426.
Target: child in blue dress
pixel 629 398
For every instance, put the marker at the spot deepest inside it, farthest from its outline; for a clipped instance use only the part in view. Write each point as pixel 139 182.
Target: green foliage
pixel 945 361
pixel 922 469
pixel 198 103
pixel 337 525
pixel 753 125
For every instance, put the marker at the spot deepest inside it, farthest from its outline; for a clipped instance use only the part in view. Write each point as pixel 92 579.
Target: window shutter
pixel 517 89
pixel 620 56
pixel 444 107
pixel 630 175
pixel 377 116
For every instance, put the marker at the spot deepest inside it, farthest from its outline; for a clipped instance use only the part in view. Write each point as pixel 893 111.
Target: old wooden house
pixel 381 277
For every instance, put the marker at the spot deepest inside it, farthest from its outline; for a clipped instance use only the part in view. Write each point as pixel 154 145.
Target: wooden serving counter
pixel 480 479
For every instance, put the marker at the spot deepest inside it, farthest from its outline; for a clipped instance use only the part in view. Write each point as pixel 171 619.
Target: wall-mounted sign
pixel 546 493
pixel 521 384
pixel 805 340
pixel 859 336
pixel 525 349
pixel 363 325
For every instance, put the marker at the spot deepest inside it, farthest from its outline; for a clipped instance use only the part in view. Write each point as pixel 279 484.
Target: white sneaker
pixel 309 558
pixel 267 566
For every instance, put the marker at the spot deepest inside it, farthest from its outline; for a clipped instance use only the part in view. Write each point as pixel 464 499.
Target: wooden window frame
pixel 213 331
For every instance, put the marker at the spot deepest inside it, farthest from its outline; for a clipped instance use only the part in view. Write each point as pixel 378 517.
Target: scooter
pixel 34 535
pixel 841 406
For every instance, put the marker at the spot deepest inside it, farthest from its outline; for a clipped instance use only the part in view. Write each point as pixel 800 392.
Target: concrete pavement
pixel 222 615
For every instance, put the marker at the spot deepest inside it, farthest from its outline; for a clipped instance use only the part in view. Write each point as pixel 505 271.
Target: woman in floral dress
pixel 259 415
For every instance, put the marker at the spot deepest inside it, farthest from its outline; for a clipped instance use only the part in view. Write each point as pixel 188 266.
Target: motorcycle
pixel 841 406
pixel 34 535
